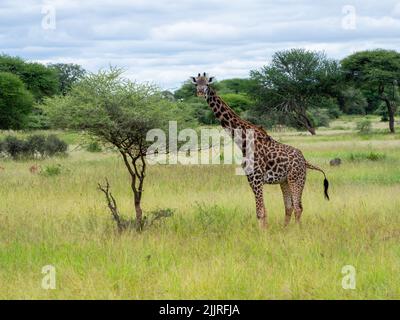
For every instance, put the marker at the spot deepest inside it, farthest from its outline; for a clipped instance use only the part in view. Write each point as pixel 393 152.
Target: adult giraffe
pixel 271 162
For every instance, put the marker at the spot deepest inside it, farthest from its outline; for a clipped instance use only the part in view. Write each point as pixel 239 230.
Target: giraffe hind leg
pixel 287 200
pixel 296 187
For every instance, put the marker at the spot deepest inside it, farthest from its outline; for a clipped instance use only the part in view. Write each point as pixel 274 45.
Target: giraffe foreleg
pixel 287 200
pixel 260 207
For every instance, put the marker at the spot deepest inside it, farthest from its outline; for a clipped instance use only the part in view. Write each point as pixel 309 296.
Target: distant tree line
pixel 24 85
pixel 305 89
pixel 298 88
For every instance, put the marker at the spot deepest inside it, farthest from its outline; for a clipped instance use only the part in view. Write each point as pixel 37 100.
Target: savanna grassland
pixel 211 247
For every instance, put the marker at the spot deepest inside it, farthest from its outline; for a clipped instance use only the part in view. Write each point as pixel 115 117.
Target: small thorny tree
pixel 117 112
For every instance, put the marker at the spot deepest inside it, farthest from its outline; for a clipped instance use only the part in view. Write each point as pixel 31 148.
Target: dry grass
pixel 212 247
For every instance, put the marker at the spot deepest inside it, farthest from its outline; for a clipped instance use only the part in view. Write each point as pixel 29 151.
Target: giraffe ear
pixel 211 80
pixel 193 80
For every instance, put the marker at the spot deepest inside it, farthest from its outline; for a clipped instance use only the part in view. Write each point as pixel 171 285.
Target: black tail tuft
pixel 326 186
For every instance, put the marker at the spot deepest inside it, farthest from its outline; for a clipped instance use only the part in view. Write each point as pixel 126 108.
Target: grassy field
pixel 212 247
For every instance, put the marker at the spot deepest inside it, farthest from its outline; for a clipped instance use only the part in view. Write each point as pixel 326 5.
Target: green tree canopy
pixel 107 105
pixel 236 85
pixel 186 91
pixel 40 80
pixel 15 101
pixel 119 112
pixel 292 83
pixel 377 74
pixel 68 74
pixel 238 101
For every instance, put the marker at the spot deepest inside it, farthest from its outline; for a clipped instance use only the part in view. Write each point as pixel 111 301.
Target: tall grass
pixel 211 247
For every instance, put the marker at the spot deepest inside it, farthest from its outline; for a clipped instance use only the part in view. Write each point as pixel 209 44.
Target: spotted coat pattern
pixel 272 163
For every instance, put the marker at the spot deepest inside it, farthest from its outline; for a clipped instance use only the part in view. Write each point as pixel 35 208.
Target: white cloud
pixel 195 30
pixel 167 41
pixel 396 10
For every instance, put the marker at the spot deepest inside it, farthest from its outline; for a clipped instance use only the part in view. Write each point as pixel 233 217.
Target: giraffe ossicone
pixel 272 162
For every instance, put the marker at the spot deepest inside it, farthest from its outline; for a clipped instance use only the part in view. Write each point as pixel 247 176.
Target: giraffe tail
pixel 326 182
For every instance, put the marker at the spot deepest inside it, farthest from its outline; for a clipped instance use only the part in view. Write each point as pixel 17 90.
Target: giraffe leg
pixel 296 186
pixel 260 207
pixel 287 200
pixel 296 189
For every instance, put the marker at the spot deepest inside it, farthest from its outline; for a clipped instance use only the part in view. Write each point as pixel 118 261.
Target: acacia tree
pixel 293 82
pixel 118 112
pixel 377 73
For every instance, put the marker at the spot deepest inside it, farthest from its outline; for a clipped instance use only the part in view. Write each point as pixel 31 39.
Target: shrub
pixel 320 117
pixel 36 145
pixel 93 147
pixel 372 156
pixel 51 170
pixel 15 147
pixel 55 146
pixel 364 126
pixel 2 147
pixel 33 147
pixel 210 218
pixel 158 215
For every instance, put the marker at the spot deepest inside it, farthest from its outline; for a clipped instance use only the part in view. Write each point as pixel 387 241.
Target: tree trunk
pixel 391 111
pixel 303 119
pixel 139 214
pixel 311 130
pixel 137 174
pixel 391 122
pixel 137 197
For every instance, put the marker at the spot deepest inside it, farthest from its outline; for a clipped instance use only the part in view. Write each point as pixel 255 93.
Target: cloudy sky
pixel 167 41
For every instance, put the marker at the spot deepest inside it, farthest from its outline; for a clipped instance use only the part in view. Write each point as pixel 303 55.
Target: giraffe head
pixel 201 82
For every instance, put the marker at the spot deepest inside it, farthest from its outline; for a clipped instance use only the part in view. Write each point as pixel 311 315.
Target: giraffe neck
pixel 228 118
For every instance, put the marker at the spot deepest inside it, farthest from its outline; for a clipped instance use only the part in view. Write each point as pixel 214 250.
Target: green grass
pixel 211 247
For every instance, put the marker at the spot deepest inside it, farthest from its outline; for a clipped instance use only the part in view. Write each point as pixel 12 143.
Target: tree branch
pixel 112 204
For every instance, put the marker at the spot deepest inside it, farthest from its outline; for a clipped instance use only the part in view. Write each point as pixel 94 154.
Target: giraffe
pixel 272 162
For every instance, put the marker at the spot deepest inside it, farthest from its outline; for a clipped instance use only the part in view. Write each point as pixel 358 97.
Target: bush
pixel 37 120
pixel 372 156
pixel 210 218
pixel 382 112
pixel 353 101
pixel 320 117
pixel 364 126
pixel 15 147
pixel 35 146
pixel 55 146
pixel 93 147
pixel 51 170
